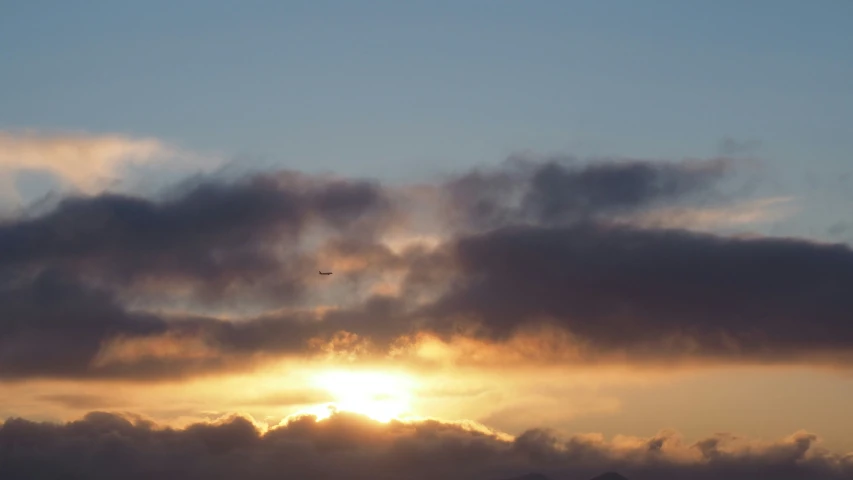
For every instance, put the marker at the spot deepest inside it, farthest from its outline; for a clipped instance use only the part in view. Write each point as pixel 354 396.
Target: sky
pixel 566 238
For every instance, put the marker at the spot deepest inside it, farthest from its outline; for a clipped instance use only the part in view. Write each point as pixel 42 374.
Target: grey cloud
pixel 214 235
pixel 69 278
pixel 656 293
pixel 558 193
pixel 57 326
pixel 562 191
pixel 610 476
pixel 53 325
pixel 102 445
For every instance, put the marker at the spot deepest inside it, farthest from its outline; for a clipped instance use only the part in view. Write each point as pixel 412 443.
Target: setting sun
pixel 379 395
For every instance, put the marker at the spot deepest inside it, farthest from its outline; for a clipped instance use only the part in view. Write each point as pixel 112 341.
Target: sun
pixel 381 396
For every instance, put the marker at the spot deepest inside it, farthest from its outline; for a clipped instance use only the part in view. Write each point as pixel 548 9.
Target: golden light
pixel 381 396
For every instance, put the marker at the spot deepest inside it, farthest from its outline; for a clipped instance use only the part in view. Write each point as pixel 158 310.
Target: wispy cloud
pixel 745 214
pixel 85 161
pixel 88 163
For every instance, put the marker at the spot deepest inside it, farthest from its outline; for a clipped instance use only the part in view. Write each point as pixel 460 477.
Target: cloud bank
pixel 540 260
pixel 104 445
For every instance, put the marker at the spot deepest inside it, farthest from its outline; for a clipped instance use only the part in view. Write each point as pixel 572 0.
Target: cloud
pixel 562 191
pixel 56 326
pixel 104 445
pixel 212 237
pixel 84 162
pixel 653 292
pixel 584 265
pixel 742 214
pixel 52 325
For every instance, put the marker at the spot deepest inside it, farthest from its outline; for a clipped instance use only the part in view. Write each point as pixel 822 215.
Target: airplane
pixel 324 273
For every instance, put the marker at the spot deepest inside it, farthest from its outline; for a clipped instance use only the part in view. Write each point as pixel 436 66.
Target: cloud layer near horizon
pixel 104 445
pixel 111 285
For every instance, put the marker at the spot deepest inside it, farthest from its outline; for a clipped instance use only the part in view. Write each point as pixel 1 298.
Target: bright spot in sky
pixel 378 395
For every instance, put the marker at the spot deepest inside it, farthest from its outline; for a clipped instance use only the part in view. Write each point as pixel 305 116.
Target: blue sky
pixel 405 89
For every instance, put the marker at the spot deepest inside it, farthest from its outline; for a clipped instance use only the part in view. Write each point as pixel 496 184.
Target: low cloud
pixel 104 445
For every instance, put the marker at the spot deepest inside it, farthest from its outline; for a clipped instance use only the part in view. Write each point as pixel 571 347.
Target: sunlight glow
pixel 378 395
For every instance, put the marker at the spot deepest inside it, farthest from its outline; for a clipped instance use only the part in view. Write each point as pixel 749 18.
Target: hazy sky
pixel 618 234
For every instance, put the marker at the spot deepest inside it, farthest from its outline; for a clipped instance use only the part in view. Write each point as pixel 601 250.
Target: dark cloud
pixel 562 191
pixel 213 235
pixel 102 445
pixel 78 278
pixel 610 476
pixel 71 279
pixel 653 294
pixel 531 476
pixel 559 194
pixel 656 292
pixel 57 326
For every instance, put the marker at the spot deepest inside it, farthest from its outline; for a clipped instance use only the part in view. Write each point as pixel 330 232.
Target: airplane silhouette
pixel 324 273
